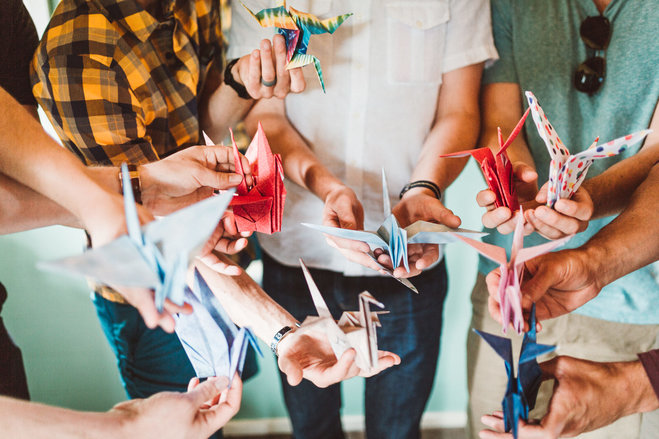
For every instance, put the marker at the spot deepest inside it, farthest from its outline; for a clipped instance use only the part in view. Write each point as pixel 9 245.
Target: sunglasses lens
pixel 596 32
pixel 589 75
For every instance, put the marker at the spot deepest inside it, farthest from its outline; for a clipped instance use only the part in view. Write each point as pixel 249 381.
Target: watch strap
pixel 426 184
pixel 231 81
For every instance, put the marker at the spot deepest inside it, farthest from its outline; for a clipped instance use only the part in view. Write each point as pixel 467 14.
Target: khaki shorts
pixel 574 335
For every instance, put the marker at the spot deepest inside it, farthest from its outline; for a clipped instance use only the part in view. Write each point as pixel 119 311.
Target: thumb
pixel 216 179
pixel 539 283
pixel 207 390
pixel 541 197
pixel 292 369
pixel 524 172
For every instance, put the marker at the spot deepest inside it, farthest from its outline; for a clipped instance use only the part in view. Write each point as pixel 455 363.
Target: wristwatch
pixel 231 82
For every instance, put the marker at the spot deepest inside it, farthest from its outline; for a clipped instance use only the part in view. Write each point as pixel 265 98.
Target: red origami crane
pixel 258 208
pixel 497 169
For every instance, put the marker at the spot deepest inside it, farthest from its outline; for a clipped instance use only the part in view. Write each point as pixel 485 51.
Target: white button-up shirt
pixel 382 69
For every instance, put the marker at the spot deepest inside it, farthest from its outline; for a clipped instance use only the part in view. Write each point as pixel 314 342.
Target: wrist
pixel 416 191
pixel 596 260
pixel 280 338
pixel 632 375
pixel 428 186
pixel 233 80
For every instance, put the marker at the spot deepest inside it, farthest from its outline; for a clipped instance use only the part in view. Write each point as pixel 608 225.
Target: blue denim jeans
pixel 396 398
pixel 149 360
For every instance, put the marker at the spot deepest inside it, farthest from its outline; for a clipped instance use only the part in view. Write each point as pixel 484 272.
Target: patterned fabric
pixel 119 85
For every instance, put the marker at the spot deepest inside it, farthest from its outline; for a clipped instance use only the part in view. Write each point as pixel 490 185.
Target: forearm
pixel 246 303
pixel 31 157
pixel 632 238
pixel 33 420
pixel 300 163
pixel 222 108
pixel 632 375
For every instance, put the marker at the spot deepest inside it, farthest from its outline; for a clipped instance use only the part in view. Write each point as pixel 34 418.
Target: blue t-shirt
pixel 540 47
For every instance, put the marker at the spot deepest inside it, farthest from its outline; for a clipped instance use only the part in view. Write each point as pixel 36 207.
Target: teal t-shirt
pixel 539 48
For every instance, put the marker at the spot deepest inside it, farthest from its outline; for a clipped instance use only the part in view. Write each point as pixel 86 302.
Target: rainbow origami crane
pixel 566 171
pixel 522 390
pixel 497 169
pixel 297 27
pixel 355 329
pixel 510 295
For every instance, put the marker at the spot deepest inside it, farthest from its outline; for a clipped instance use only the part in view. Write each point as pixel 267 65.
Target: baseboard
pixel 261 427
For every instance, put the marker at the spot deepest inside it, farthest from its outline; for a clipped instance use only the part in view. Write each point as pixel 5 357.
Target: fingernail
pixel 235 178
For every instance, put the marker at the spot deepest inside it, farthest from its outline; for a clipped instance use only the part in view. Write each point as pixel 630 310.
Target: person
pixel 402 87
pixel 135 81
pixel 527 62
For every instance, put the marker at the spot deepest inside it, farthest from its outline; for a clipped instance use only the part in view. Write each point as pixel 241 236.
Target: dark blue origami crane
pixel 522 389
pixel 213 343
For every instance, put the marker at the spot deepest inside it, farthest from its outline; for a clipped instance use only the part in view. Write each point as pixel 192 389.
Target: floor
pixel 426 434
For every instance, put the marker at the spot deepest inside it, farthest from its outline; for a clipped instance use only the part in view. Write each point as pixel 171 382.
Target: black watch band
pixel 231 82
pixel 426 184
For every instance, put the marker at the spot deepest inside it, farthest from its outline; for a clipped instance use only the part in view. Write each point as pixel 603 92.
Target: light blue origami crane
pixel 522 390
pixel 213 343
pixel 394 239
pixel 155 256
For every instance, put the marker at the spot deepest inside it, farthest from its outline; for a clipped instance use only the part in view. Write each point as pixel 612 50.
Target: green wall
pixel 69 362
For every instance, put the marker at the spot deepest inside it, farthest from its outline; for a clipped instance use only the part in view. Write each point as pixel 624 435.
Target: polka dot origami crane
pixel 259 207
pixel 497 168
pixel 522 390
pixel 355 329
pixel 212 342
pixel 510 295
pixel 155 256
pixel 566 171
pixel 394 239
pixel 297 28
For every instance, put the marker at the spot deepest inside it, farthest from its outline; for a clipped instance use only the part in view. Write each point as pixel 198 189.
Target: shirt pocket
pixel 416 35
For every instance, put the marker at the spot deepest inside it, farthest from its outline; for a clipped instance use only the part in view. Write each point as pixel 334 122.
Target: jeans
pixel 13 381
pixel 149 360
pixel 396 398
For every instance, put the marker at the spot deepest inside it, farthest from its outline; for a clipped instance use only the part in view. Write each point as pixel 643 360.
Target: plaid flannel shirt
pixel 120 86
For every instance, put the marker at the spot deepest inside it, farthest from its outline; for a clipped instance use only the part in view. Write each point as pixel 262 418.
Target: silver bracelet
pixel 279 336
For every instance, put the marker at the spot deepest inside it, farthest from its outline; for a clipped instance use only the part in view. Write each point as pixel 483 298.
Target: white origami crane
pixel 567 172
pixel 355 329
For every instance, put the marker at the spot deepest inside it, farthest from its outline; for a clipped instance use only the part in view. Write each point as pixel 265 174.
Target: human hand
pixel 226 238
pixel 267 65
pixel 569 216
pixel 189 176
pixel 587 396
pixel 343 209
pixel 501 218
pixel 557 282
pixel 419 204
pixel 308 354
pixel 180 415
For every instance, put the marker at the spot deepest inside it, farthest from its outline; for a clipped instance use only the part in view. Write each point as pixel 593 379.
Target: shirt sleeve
pixel 469 34
pixel 650 362
pixel 502 70
pixel 92 107
pixel 18 41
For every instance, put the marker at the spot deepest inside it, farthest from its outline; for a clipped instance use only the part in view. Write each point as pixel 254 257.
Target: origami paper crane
pixel 212 342
pixel 297 28
pixel 522 389
pixel 258 208
pixel 155 256
pixel 497 168
pixel 510 296
pixel 395 239
pixel 566 171
pixel 355 329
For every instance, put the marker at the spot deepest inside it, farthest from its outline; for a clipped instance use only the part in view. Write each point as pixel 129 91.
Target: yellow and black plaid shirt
pixel 120 86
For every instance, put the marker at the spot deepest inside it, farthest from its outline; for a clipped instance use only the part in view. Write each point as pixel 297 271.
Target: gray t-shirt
pixel 539 48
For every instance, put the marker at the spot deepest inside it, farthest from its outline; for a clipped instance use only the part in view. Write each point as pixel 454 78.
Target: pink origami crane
pixel 510 295
pixel 497 169
pixel 258 208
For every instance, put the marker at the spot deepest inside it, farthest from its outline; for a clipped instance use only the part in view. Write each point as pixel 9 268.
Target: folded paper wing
pixel 510 295
pixel 497 168
pixel 355 329
pixel 567 171
pixel 522 390
pixel 297 28
pixel 212 342
pixel 394 239
pixel 155 256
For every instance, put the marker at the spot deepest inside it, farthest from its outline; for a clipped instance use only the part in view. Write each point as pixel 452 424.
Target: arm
pixel 562 281
pixel 456 126
pixel 587 396
pixel 164 415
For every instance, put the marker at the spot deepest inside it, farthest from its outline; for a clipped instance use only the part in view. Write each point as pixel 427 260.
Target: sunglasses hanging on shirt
pixel 595 33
